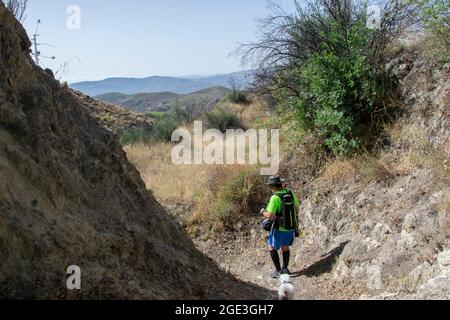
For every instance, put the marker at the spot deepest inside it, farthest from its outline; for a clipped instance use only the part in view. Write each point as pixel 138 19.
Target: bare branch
pixel 18 8
pixel 287 40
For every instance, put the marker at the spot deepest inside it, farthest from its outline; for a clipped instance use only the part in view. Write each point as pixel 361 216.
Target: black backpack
pixel 287 218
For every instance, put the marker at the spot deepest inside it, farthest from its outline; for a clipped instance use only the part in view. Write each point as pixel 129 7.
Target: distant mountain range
pixel 197 101
pixel 185 85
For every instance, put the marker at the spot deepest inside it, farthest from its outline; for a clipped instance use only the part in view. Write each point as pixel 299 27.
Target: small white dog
pixel 286 290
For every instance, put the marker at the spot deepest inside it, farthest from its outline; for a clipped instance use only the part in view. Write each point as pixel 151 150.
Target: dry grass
pixel 414 151
pixel 170 183
pixel 374 169
pixel 252 115
pixel 444 205
pixel 336 171
pixel 216 193
pixel 234 193
pixel 362 168
pixel 443 208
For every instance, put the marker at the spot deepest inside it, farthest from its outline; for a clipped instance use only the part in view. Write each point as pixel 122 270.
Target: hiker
pixel 282 212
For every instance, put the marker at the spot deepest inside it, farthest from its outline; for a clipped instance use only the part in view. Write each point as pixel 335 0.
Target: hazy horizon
pixel 193 76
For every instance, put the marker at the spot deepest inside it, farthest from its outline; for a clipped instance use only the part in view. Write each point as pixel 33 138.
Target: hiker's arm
pixel 267 214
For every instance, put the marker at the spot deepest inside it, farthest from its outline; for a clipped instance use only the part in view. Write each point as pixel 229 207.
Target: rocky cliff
pixel 69 196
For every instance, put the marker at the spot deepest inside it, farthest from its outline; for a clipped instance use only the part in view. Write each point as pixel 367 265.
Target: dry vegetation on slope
pixel 114 118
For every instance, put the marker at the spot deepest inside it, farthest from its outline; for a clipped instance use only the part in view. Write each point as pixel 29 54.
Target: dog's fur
pixel 286 290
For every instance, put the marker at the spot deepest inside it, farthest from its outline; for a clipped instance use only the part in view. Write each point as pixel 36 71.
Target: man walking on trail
pixel 283 212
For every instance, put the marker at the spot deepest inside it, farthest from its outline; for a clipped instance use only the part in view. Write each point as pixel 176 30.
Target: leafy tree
pixel 325 63
pixel 340 93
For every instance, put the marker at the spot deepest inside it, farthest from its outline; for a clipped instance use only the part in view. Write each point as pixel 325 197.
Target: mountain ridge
pixel 179 85
pixel 162 101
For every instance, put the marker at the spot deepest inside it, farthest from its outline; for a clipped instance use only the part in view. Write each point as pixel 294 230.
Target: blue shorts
pixel 278 239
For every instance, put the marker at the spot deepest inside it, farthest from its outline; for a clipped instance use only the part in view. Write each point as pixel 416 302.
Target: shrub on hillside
pixel 163 129
pixel 340 93
pixel 182 114
pixel 222 120
pixel 237 192
pixel 135 135
pixel 155 115
pixel 237 96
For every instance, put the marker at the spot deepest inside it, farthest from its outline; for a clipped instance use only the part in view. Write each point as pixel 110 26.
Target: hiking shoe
pixel 285 271
pixel 275 275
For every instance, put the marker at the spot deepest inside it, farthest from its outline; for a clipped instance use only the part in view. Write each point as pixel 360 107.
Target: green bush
pixel 237 96
pixel 222 120
pixel 339 91
pixel 163 129
pixel 181 114
pixel 155 115
pixel 222 211
pixel 323 62
pixel 239 193
pixel 135 135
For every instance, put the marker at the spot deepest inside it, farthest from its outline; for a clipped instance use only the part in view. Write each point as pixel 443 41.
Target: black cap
pixel 274 180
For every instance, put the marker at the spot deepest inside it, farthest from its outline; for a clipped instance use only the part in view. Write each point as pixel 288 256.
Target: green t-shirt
pixel 275 204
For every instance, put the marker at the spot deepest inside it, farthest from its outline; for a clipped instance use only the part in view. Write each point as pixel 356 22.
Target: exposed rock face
pixel 69 196
pixel 393 233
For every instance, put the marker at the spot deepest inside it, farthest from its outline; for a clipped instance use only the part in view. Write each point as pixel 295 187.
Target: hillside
pixel 162 101
pixel 112 117
pixel 68 195
pixel 162 84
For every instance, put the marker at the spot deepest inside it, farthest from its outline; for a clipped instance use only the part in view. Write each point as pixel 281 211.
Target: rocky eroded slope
pixel 69 196
pixel 388 235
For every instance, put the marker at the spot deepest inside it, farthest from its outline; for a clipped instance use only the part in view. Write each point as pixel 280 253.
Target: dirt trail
pixel 245 256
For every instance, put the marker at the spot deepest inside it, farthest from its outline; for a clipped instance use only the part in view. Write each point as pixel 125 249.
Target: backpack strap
pixel 280 195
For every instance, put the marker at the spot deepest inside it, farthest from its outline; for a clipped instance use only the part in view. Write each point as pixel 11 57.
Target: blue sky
pixel 139 38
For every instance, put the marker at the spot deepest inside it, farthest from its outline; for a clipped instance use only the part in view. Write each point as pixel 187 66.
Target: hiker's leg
pixel 275 258
pixel 286 256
